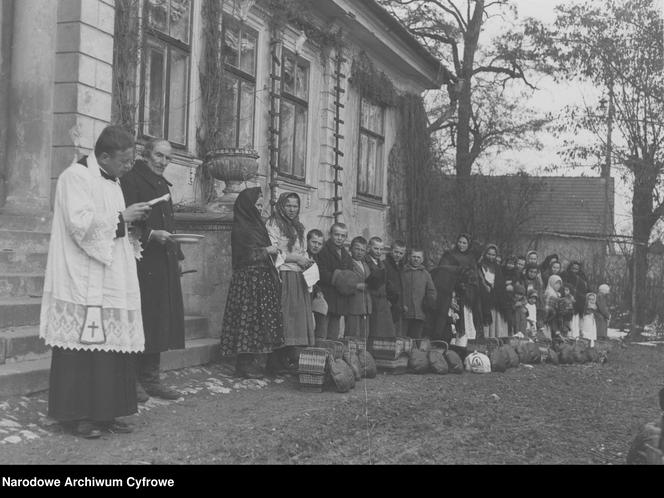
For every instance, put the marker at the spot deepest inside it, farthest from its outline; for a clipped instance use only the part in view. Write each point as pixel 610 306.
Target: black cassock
pixel 158 272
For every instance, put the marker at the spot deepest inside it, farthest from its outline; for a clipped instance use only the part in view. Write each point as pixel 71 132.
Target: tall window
pixel 238 85
pixel 166 69
pixel 293 115
pixel 370 167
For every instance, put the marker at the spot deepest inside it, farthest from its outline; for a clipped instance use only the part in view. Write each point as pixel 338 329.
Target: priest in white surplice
pixel 91 309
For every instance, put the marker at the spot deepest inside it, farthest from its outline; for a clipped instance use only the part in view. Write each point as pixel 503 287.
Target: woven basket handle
pixel 440 342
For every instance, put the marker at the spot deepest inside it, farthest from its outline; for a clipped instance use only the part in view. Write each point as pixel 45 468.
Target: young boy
pixel 359 304
pixel 315 241
pixel 334 256
pixel 417 292
pixel 394 264
pixel 380 321
pixel 520 309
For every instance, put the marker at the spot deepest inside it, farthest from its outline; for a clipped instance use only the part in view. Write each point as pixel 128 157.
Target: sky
pixel 552 97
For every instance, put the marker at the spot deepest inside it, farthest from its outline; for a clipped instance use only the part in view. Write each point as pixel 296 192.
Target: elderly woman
pixel 493 297
pixel 287 235
pixel 252 320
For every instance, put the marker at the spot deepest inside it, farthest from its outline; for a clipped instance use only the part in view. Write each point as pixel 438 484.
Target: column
pixel 30 117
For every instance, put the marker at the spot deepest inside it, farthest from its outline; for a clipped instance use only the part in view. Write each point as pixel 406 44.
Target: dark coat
pixel 158 272
pixel 329 261
pixel 359 303
pixel 393 286
pixel 380 322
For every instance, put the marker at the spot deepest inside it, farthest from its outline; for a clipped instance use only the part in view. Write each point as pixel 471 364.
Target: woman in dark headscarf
pixel 287 234
pixel 252 320
pixel 546 265
pixel 456 275
pixel 493 295
pixel 575 279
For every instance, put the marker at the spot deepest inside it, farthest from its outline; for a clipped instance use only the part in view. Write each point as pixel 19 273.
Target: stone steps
pixel 12 261
pixel 26 377
pixel 25 241
pixel 21 343
pixel 21 284
pixel 19 311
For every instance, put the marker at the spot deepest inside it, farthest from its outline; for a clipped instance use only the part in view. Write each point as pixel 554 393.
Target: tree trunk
pixel 642 223
pixel 464 161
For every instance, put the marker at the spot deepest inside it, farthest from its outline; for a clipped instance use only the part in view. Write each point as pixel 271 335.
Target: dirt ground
pixel 580 414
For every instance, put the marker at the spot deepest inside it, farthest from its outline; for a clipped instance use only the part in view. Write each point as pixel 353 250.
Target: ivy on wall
pixel 410 168
pixel 125 62
pixel 372 84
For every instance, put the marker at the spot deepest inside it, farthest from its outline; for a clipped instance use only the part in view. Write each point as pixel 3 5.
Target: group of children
pixel 386 295
pixel 377 295
pixel 564 308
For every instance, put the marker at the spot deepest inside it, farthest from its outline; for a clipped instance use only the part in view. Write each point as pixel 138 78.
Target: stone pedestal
pixel 30 133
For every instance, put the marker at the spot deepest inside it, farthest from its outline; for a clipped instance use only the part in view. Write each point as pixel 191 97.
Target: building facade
pixel 286 92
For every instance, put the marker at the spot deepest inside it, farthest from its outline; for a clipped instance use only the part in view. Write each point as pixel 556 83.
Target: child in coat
pixel 359 304
pixel 418 293
pixel 520 310
pixel 588 323
pixel 531 309
pixel 603 314
pixel 566 310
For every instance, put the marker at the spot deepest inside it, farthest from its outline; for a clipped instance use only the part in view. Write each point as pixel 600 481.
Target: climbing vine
pixel 372 83
pixel 411 164
pixel 125 63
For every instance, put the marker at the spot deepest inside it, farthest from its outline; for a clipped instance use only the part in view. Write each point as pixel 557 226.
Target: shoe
pixel 87 430
pixel 163 392
pixel 117 427
pixel 141 395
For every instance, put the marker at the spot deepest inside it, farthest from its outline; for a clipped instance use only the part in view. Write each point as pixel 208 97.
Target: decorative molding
pixel 370 203
pixel 202 222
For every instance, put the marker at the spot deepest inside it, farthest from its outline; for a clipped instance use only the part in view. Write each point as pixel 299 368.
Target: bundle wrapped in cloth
pixel 345 281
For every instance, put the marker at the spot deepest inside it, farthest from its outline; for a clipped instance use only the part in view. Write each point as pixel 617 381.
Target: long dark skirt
pixel 91 385
pixel 252 321
pixel 296 307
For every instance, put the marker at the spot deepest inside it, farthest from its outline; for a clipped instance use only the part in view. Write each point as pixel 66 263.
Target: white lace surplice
pixel 88 266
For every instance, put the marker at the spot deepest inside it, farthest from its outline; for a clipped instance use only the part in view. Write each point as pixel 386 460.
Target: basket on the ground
pixel 312 360
pixel 354 344
pixel 367 364
pixel 436 355
pixel 389 348
pixel 311 382
pixel 396 366
pixel 335 348
pixel 342 376
pixel 418 359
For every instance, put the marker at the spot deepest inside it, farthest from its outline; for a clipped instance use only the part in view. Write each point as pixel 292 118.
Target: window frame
pixel 381 139
pixel 242 76
pixel 297 102
pixel 167 43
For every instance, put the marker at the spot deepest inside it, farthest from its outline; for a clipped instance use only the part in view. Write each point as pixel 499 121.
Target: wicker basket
pixel 334 348
pixel 311 382
pixel 387 348
pixel 395 366
pixel 312 360
pixel 354 344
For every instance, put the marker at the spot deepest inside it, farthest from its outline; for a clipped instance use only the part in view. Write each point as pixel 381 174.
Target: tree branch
pixel 516 73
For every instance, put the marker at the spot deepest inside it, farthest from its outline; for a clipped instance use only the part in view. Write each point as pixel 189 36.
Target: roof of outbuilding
pixel 572 205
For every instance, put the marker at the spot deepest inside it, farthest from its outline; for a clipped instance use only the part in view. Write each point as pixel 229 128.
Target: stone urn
pixel 234 167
